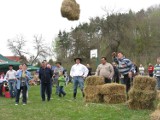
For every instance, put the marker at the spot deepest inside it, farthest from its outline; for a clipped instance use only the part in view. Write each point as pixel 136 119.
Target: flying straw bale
pixel 70 9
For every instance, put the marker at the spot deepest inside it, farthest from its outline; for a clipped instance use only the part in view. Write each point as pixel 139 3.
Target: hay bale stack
pixel 113 93
pixel 143 93
pixel 94 80
pixel 144 83
pixel 92 94
pixel 155 115
pixel 70 9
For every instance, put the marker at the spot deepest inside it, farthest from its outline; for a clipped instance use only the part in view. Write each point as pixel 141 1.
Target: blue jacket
pixel 45 75
pixel 19 75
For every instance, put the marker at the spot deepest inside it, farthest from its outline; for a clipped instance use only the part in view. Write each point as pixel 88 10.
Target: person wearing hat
pixel 11 77
pixel 78 72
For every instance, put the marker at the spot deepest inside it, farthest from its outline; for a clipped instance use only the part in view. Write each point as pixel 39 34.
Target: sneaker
pixel 16 104
pixel 24 103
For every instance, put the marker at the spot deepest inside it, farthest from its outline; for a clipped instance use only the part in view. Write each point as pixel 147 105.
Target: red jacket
pixel 150 69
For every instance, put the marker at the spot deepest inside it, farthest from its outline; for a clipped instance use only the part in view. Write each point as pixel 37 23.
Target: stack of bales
pixel 92 89
pixel 113 93
pixel 143 93
pixel 97 91
pixel 70 9
pixel 156 114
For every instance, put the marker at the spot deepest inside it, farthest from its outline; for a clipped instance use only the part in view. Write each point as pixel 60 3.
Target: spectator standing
pixel 45 75
pixel 89 70
pixel 58 69
pixel 105 70
pixel 23 78
pixel 61 81
pixel 78 72
pixel 116 75
pixel 150 70
pixel 11 77
pixel 157 72
pixel 141 69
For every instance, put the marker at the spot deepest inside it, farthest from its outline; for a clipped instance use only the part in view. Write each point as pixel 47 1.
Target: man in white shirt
pixel 78 73
pixel 11 77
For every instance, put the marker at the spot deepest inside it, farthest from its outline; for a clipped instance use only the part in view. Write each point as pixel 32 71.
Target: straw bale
pixel 142 95
pixel 158 94
pixel 134 104
pixel 94 80
pixel 112 88
pixel 155 115
pixel 95 98
pixel 158 106
pixel 115 98
pixel 144 83
pixel 92 90
pixel 70 9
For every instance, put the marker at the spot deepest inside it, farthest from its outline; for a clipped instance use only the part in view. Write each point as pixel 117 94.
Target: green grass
pixel 66 109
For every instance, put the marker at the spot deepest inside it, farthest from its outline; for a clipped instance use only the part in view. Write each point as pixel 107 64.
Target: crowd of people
pixel 121 70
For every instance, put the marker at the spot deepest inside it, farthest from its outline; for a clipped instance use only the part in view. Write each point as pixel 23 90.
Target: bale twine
pixel 144 83
pixel 92 94
pixel 94 80
pixel 70 9
pixel 143 93
pixel 155 115
pixel 112 88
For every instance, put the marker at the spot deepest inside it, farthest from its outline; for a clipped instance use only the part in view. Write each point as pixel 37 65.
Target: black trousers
pixel 46 89
pixel 24 94
pixel 116 78
pixel 127 82
pixel 107 80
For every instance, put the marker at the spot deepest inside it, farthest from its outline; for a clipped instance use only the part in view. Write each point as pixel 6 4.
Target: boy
pixel 61 81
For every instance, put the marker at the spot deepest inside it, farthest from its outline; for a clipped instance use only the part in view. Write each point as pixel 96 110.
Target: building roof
pixel 14 58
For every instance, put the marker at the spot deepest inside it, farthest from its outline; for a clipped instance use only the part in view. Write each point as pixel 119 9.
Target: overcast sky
pixel 35 17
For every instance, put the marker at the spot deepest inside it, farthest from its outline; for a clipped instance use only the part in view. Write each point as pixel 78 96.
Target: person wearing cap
pixel 78 72
pixel 105 70
pixel 125 67
pixel 11 77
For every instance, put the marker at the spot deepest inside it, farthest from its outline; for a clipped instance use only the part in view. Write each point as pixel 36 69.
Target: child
pixel 61 81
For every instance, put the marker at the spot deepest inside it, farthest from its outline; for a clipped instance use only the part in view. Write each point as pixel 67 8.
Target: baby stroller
pixel 5 90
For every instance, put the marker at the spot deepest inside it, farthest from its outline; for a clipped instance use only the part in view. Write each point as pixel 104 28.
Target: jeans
pixel 158 82
pixel 61 91
pixel 78 80
pixel 12 87
pixel 24 94
pixel 45 88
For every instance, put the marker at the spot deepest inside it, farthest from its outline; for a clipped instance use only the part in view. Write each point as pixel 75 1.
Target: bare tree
pixel 17 45
pixel 42 50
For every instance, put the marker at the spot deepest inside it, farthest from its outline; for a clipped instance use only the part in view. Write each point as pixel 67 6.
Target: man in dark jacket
pixel 45 75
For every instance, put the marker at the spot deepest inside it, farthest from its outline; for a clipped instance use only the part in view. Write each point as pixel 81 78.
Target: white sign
pixel 94 53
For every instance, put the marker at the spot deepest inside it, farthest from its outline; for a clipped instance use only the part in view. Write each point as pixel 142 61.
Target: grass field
pixel 66 109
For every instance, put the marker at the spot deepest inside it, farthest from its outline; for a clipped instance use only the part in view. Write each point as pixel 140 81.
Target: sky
pixel 43 17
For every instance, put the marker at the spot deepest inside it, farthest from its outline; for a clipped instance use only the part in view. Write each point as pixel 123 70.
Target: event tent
pixel 5 62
